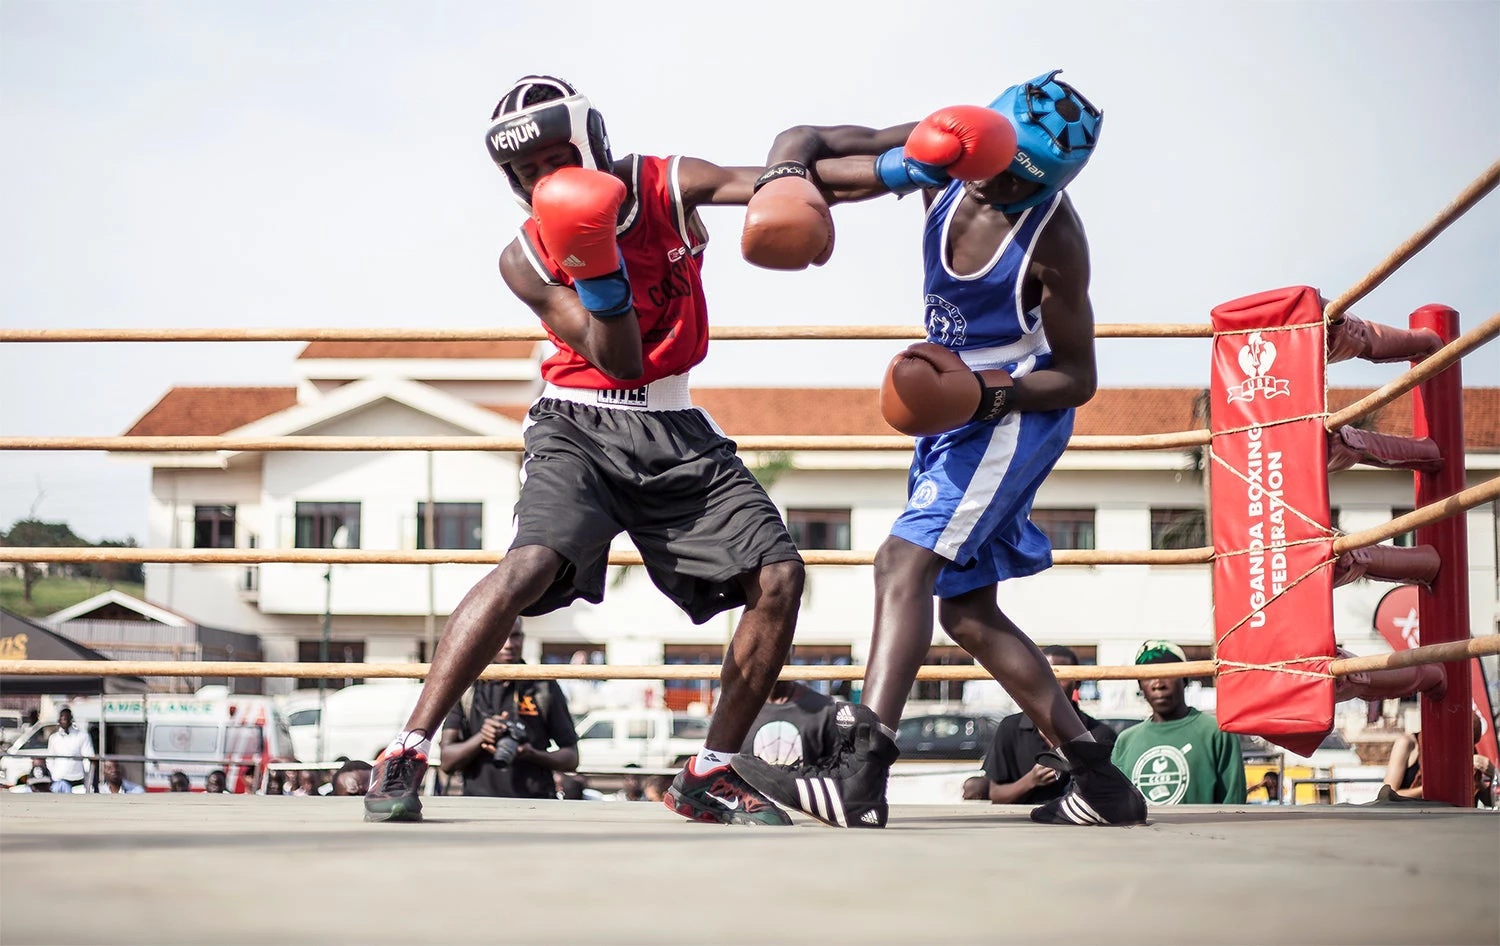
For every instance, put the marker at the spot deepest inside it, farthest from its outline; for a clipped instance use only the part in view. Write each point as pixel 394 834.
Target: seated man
pixel 1012 774
pixel 1179 756
pixel 797 724
pixel 115 782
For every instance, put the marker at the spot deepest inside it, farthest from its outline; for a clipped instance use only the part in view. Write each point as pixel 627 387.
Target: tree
pixel 34 533
pixel 114 572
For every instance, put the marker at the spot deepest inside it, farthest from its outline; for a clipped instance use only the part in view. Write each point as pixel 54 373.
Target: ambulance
pixel 157 735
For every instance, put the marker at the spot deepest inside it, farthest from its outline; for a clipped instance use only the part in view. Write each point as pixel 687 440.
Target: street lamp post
pixel 340 541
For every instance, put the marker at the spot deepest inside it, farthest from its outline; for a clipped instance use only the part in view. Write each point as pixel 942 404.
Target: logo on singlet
pixel 676 253
pixel 626 397
pixel 945 324
pixel 924 495
pixel 1255 360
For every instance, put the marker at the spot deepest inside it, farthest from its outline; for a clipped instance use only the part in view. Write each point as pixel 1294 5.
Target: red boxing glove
pixel 928 390
pixel 787 221
pixel 970 142
pixel 575 210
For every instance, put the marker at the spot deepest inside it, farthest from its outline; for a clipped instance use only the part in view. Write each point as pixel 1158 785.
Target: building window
pixel 319 523
pixel 339 652
pixel 1197 652
pixel 563 653
pixel 213 527
pixel 823 655
pixel 946 691
pixel 1088 656
pixel 1066 528
pixel 1405 540
pixel 454 525
pixel 1178 529
pixel 680 694
pixel 819 528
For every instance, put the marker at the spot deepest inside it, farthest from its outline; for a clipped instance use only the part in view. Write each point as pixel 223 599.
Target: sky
pixel 315 163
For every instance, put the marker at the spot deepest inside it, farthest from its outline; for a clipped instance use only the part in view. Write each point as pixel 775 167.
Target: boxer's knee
pixel 778 587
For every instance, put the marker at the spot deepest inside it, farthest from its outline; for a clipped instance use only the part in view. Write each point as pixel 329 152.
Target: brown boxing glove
pixel 928 390
pixel 787 221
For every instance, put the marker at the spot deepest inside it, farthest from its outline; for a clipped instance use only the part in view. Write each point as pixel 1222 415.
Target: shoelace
pixel 396 771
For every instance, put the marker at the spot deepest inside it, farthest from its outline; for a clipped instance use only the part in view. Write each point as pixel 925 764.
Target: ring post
pixel 1446 739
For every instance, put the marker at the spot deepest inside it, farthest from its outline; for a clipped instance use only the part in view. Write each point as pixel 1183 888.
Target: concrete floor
pixel 233 869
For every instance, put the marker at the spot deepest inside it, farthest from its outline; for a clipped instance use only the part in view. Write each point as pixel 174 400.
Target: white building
pixel 379 613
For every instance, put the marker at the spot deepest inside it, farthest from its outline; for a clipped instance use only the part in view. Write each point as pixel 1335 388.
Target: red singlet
pixel 662 243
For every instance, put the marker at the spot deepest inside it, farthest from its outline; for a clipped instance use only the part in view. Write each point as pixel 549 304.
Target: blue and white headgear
pixel 1056 131
pixel 563 117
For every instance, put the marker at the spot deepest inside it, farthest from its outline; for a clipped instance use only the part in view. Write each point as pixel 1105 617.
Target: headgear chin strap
pixel 518 130
pixel 1056 131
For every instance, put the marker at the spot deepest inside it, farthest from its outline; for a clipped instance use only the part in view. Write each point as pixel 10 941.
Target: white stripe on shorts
pixel 982 488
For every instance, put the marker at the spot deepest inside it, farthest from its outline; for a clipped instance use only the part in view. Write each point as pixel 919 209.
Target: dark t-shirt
pixel 1016 747
pixel 801 729
pixel 520 700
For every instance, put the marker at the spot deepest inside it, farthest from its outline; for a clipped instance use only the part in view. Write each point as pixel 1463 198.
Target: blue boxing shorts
pixel 969 498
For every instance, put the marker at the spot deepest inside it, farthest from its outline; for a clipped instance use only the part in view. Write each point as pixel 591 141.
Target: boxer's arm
pixel 842 157
pixel 611 345
pixel 841 179
pixel 1061 263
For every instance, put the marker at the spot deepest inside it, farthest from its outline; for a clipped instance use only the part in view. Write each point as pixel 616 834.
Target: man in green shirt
pixel 1179 756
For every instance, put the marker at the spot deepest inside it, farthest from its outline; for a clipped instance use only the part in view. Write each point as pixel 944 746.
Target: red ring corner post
pixel 1438 412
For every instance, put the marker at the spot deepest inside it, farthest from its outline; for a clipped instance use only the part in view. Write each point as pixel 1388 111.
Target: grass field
pixel 54 594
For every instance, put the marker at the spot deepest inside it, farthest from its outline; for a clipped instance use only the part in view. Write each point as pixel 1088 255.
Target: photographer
pixel 498 735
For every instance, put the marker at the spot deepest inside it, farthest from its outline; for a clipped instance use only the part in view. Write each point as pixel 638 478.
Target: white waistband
pixel 664 394
pixel 983 359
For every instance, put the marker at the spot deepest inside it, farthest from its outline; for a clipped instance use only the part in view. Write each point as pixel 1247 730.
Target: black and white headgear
pixel 564 117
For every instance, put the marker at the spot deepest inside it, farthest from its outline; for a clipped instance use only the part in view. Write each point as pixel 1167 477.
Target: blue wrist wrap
pixel 606 297
pixel 903 175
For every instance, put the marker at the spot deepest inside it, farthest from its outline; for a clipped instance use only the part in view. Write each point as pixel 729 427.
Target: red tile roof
pixel 419 350
pixel 810 411
pixel 206 412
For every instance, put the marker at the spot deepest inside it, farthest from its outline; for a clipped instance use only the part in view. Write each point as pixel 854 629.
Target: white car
pixel 361 719
pixel 651 739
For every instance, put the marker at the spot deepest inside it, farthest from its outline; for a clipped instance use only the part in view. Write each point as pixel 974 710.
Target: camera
pixel 511 738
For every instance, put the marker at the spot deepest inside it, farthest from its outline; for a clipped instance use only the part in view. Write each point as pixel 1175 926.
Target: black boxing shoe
pixel 1099 793
pixel 846 791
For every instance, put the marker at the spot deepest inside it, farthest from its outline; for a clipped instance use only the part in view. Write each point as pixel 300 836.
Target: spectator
pixel 1179 756
pixel 631 787
pixel 570 787
pixel 216 781
pixel 37 780
pixel 1271 785
pixel 352 779
pixel 796 725
pixel 656 787
pixel 307 783
pixel 276 783
pixel 499 734
pixel 179 782
pixel 69 740
pixel 115 782
pixel 1012 774
pixel 1403 773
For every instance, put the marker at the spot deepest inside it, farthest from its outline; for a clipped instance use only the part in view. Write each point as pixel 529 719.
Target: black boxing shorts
pixel 669 479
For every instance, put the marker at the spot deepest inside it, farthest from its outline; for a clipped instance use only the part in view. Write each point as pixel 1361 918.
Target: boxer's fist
pixel 969 142
pixel 929 390
pixel 787 221
pixel 575 211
